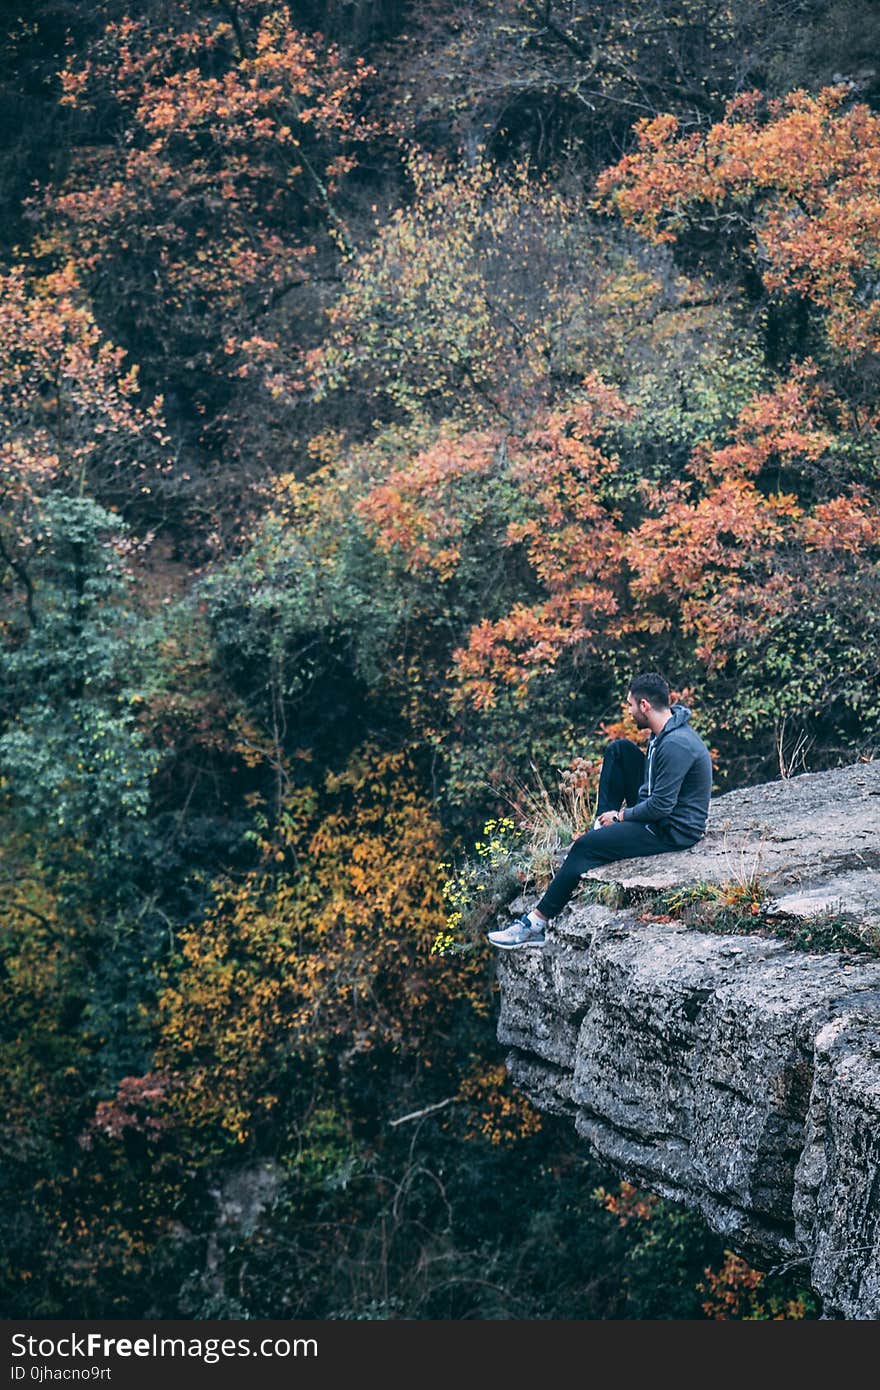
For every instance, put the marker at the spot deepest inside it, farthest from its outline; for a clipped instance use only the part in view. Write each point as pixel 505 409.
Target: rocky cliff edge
pixel 729 1072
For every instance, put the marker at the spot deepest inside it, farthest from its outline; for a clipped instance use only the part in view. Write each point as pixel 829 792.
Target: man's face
pixel 639 710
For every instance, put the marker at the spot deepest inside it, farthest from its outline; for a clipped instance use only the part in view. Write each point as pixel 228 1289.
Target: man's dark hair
pixel 651 687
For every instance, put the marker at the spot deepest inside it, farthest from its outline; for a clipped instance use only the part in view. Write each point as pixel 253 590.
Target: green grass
pixel 740 907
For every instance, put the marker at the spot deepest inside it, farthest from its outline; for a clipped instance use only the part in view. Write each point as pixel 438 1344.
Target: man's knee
pixel 588 838
pixel 581 853
pixel 623 751
pixel 615 746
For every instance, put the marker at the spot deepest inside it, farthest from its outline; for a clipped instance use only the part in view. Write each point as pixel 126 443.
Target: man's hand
pixel 609 817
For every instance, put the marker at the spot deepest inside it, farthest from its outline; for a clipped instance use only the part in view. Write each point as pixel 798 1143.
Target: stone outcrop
pixel 731 1073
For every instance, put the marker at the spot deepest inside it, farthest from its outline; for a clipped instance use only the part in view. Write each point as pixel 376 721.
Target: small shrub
pixel 831 931
pixel 733 906
pixel 550 821
pixel 480 886
pixel 742 907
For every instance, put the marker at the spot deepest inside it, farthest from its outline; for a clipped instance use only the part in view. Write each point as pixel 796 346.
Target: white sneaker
pixel 521 932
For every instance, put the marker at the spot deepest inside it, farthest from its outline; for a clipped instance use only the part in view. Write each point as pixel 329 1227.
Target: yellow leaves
pixel 496 1111
pixel 467 296
pixel 40 978
pixel 275 971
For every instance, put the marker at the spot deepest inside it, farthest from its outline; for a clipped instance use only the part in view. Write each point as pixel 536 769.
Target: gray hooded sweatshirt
pixel 674 797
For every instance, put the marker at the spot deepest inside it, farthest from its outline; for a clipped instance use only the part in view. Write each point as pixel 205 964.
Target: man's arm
pixel 671 764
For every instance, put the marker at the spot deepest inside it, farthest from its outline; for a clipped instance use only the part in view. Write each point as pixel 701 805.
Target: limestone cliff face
pixel 731 1073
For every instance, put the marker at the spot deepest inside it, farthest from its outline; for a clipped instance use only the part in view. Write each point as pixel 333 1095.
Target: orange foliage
pixel 74 420
pixel 550 477
pixel 746 535
pixel 779 428
pixel 412 513
pixel 497 1111
pixel 799 178
pixel 725 548
pixel 732 1293
pixel 628 1203
pixel 715 559
pixel 233 136
pixel 849 524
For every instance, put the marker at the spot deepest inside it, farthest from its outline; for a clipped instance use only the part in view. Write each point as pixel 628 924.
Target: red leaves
pixel 546 486
pixel 70 405
pixel 800 177
pixel 226 150
pixel 134 1107
pixel 717 557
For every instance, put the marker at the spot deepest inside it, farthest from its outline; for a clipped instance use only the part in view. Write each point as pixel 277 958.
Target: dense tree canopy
pixel 382 385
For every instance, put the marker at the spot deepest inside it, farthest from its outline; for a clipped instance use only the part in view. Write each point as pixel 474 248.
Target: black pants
pixel 623 770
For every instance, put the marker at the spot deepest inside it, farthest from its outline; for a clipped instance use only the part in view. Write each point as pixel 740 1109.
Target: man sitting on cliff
pixel 666 791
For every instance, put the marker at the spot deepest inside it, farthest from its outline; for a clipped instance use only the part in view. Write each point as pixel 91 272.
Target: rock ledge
pixel 729 1072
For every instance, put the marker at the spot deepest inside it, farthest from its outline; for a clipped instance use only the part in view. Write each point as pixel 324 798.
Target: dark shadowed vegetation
pixel 383 383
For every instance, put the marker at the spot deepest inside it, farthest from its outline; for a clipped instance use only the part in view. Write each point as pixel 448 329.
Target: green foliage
pixel 815 663
pixel 830 930
pixel 666 1257
pixel 508 452
pixel 686 373
pixel 74 765
pixel 747 906
pixel 668 1249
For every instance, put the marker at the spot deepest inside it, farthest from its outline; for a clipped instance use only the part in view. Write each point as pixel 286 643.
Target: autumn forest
pixel 382 385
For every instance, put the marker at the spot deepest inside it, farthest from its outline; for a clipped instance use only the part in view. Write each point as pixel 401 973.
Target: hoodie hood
pixel 680 716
